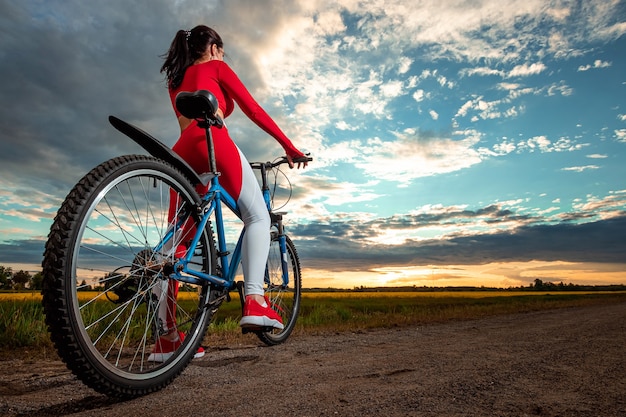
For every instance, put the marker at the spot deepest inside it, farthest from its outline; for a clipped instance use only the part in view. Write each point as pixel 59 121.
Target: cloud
pixel 445 235
pixel 482 71
pixel 606 207
pixel 596 64
pixel 336 76
pixel 342 125
pixel 503 148
pixel 434 31
pixel 347 246
pixel 24 251
pixel 261 44
pixel 614 31
pixel 525 70
pixel 404 65
pixel 488 110
pixel 539 142
pixel 450 28
pixel 419 95
pixel 560 88
pixel 414 154
pixel 85 70
pixel 544 145
pixel 331 192
pixel 358 241
pixel 329 22
pixel 581 168
pixel 392 88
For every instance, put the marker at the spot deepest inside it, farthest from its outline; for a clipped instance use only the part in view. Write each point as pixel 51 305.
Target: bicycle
pixel 114 224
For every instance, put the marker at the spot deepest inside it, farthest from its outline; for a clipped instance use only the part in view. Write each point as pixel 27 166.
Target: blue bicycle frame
pixel 212 204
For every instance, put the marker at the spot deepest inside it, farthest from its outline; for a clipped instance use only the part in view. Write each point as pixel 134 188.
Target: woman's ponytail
pixel 186 48
pixel 177 59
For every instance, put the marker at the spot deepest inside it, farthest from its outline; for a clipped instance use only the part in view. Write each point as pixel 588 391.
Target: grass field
pixel 22 323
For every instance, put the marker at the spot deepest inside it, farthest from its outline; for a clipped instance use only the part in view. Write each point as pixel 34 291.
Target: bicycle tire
pixel 106 232
pixel 285 299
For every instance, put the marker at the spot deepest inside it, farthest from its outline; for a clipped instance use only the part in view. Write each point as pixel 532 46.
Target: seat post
pixel 211 149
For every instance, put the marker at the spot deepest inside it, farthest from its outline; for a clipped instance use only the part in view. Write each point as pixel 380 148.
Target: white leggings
pixel 256 239
pixel 254 249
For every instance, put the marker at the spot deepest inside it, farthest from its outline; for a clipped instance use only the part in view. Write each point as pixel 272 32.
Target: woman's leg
pixel 256 240
pixel 254 250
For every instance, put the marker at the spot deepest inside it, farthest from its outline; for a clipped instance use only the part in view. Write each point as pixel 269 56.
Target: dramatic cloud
pixel 423 118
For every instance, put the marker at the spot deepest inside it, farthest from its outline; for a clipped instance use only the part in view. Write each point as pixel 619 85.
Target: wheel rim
pixel 115 251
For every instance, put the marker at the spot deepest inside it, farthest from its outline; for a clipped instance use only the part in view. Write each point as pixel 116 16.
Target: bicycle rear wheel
pixel 105 268
pixel 284 295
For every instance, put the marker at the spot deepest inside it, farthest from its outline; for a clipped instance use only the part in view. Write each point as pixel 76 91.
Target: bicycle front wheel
pixel 107 267
pixel 283 287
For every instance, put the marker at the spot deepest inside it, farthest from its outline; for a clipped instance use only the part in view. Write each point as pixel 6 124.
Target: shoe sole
pixel 260 321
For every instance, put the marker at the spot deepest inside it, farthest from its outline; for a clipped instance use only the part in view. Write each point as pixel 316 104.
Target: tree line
pixel 536 285
pixel 19 280
pixel 22 280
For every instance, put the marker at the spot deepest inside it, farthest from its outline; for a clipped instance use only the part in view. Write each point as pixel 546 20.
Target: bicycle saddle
pixel 200 104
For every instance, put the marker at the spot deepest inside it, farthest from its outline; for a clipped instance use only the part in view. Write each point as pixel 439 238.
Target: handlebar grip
pixel 280 161
pixel 303 159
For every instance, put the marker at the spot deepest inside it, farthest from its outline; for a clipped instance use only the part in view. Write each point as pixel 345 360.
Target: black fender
pixel 159 150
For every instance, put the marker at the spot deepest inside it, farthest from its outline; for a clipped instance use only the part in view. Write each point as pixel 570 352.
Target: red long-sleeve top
pixel 217 77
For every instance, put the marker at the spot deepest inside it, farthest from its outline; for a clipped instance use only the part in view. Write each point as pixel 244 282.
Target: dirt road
pixel 569 362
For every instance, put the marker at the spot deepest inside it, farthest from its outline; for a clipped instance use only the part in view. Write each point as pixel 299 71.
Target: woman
pixel 195 61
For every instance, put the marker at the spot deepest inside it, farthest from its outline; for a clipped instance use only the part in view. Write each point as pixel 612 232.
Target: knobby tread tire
pixel 56 295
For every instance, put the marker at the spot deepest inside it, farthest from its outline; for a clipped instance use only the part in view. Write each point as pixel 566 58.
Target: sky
pixel 454 142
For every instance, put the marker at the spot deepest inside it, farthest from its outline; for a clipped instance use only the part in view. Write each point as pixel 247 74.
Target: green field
pixel 22 324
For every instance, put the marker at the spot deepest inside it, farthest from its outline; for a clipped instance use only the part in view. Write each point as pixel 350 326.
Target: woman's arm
pixel 231 83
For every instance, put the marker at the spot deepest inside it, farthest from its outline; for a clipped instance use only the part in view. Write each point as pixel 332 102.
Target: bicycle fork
pixel 277 220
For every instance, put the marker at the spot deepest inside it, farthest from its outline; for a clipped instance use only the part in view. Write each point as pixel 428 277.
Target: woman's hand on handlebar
pixel 302 161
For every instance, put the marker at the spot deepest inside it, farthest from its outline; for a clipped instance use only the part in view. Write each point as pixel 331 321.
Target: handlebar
pixel 280 161
pixel 266 167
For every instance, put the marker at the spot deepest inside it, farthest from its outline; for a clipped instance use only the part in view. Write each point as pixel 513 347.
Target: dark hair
pixel 186 48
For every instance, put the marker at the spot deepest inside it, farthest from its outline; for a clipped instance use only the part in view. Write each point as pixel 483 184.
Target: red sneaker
pixel 164 349
pixel 256 315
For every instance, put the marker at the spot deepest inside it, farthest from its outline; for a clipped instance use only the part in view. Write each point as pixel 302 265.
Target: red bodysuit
pixel 217 77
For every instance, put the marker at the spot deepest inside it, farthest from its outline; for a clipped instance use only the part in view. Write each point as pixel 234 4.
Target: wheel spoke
pixel 105 267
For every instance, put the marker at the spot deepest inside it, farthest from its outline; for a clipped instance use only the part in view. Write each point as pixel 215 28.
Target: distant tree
pixel 84 287
pixel 5 277
pixel 20 279
pixel 36 282
pixel 538 284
